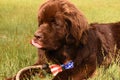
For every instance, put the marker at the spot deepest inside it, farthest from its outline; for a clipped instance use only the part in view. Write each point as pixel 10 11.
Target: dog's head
pixel 60 23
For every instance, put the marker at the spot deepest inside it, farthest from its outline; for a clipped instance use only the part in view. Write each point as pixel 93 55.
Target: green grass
pixel 18 22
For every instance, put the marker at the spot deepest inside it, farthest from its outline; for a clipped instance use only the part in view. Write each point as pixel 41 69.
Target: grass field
pixel 18 22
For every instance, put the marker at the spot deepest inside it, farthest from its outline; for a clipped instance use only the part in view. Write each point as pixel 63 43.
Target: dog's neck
pixel 62 55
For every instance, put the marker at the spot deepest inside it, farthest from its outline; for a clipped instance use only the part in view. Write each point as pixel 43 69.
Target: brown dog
pixel 64 34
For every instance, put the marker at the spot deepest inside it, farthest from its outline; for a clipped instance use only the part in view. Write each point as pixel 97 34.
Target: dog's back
pixel 109 35
pixel 111 32
pixel 115 28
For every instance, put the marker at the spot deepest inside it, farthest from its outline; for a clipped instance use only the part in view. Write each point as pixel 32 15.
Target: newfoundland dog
pixel 64 35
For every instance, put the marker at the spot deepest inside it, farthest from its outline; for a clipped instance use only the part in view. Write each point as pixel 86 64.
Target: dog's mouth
pixel 36 44
pixel 41 45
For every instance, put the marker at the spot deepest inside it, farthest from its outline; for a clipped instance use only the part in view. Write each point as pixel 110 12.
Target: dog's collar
pixel 68 65
pixel 55 68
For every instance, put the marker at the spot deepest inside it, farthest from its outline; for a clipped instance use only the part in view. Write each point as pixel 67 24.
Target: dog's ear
pixel 77 28
pixel 74 34
pixel 76 22
pixel 69 37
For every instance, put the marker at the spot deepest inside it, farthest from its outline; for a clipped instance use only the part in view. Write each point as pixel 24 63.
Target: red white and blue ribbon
pixel 55 69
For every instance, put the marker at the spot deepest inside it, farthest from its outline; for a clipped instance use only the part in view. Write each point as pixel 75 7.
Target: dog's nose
pixel 38 35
